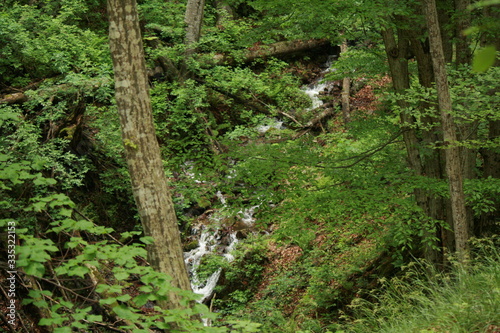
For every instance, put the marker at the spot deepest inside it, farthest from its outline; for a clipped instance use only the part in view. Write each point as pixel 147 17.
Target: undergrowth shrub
pixel 78 276
pixel 466 299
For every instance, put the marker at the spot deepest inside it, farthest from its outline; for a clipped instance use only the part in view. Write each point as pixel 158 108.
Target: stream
pixel 222 240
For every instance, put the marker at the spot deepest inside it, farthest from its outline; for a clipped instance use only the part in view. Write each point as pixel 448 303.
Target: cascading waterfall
pixel 209 239
pixel 210 243
pixel 315 89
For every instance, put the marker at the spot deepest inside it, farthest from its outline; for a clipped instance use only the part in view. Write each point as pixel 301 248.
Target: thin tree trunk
pixel 346 90
pixel 462 51
pixel 452 151
pixel 224 12
pixel 398 64
pixel 145 166
pixel 194 21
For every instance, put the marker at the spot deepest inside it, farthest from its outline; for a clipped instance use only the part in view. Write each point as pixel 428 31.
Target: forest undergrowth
pixel 343 216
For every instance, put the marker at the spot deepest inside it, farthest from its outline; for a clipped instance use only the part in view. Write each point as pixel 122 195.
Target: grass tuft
pixel 467 299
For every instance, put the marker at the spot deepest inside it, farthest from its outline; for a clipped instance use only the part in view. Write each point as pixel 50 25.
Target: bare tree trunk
pixel 462 51
pixel 452 152
pixel 194 21
pixel 224 12
pixel 145 166
pixel 346 90
pixel 398 64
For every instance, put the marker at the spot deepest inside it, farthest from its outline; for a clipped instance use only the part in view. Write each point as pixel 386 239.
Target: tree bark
pixel 145 166
pixel 346 91
pixel 194 21
pixel 462 51
pixel 398 65
pixel 224 12
pixel 452 151
pixel 432 160
pixel 14 98
pixel 444 17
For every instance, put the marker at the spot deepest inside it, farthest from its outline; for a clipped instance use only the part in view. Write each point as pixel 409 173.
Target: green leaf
pixel 147 240
pixel 94 318
pixel 141 299
pixel 45 322
pixel 35 269
pixel 484 59
pixel 78 271
pixel 120 276
pixel 124 298
pixel 107 301
pixel 125 312
pixel 40 180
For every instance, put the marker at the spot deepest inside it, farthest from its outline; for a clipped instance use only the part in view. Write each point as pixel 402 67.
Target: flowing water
pixel 214 241
pixel 313 91
pixel 221 241
pixel 319 86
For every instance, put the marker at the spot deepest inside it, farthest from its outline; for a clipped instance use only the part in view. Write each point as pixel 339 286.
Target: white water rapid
pixel 213 241
pixel 319 86
pixel 208 244
pixel 313 91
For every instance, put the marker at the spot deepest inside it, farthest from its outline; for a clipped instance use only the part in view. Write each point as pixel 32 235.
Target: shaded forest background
pixel 346 195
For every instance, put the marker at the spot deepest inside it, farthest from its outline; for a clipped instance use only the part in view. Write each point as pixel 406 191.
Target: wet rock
pixel 191 245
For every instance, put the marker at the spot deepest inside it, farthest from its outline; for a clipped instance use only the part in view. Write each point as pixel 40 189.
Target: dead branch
pixel 320 117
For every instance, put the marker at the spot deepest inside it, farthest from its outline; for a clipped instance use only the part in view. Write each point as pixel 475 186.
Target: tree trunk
pixel 14 98
pixel 145 166
pixel 398 64
pixel 462 51
pixel 194 21
pixel 444 9
pixel 421 165
pixel 432 159
pixel 346 90
pixel 224 12
pixel 452 152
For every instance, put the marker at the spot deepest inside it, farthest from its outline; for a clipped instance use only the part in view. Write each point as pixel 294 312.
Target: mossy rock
pixel 191 245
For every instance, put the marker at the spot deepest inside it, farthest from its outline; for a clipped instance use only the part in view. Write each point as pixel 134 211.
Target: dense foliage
pixel 337 206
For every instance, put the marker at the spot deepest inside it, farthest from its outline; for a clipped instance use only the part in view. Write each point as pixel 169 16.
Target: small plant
pixel 424 300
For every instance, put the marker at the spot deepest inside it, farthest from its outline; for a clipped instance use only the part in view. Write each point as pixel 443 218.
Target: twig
pixel 105 325
pixel 86 218
pixel 70 290
pixel 358 158
pixel 9 326
pixel 290 117
pixel 22 322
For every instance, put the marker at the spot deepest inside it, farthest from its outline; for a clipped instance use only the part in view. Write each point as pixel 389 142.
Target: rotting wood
pixel 274 50
pixel 19 97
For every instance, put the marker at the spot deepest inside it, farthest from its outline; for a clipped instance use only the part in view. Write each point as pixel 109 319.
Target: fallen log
pixel 14 98
pixel 320 117
pixel 17 95
pixel 274 50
